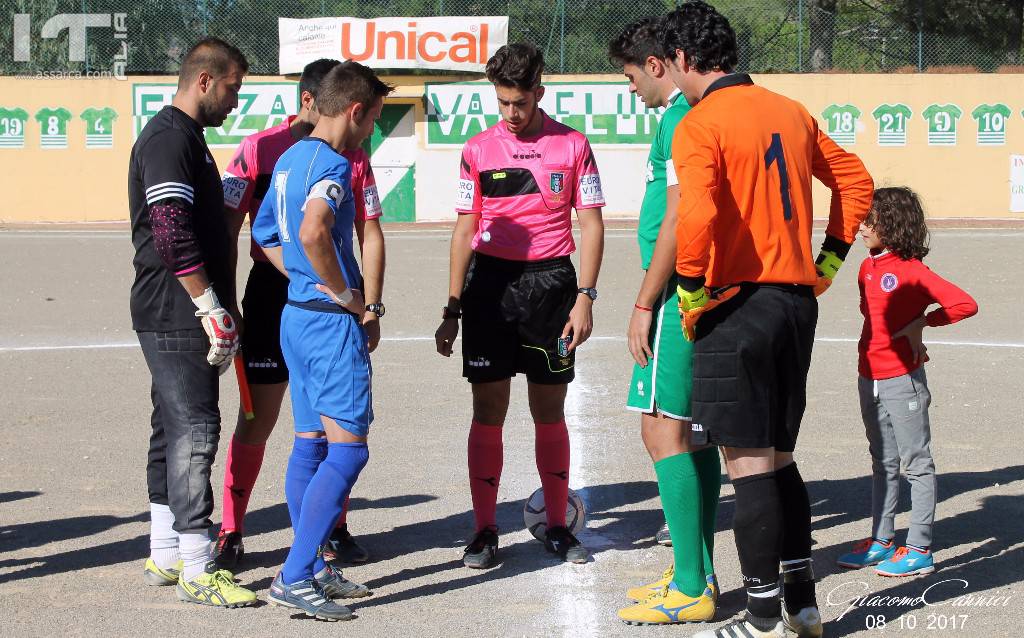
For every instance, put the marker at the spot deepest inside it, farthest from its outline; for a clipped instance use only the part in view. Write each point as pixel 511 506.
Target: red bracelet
pixel 644 308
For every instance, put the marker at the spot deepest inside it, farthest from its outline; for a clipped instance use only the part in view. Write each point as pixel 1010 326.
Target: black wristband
pixel 690 284
pixel 838 247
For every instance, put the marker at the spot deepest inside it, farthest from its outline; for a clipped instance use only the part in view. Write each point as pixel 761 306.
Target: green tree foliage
pixel 774 35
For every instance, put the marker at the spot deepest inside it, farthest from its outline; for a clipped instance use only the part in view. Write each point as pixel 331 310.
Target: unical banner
pixel 452 43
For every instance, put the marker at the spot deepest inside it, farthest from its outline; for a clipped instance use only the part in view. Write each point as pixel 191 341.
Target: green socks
pixel 689 485
pixel 709 469
pixel 679 486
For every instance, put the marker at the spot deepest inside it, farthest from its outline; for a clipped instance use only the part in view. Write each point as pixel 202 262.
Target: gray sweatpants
pixel 895 413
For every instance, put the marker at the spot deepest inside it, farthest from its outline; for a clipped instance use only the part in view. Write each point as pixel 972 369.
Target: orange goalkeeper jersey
pixel 744 157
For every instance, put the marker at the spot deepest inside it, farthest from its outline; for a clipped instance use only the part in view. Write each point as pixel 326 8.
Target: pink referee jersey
pixel 524 190
pixel 248 175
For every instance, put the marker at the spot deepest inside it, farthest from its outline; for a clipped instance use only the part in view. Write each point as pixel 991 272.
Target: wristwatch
pixel 376 308
pixel 590 292
pixel 448 313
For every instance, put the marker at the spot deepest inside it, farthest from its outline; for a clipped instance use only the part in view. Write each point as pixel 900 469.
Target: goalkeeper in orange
pixel 744 159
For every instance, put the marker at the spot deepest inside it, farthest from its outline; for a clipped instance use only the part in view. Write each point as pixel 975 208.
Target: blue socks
pixel 302 465
pixel 321 506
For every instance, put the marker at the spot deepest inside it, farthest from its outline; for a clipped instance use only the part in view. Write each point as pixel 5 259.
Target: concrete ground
pixel 73 507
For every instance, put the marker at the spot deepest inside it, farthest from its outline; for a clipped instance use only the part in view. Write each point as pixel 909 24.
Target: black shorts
pixel 513 314
pixel 750 362
pixel 266 293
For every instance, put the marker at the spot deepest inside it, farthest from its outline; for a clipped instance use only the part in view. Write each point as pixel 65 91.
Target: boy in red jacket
pixel 895 290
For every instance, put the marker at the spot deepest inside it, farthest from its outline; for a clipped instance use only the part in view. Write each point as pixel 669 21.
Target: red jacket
pixel 894 292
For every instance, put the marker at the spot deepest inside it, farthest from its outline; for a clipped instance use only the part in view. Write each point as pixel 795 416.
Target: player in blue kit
pixel 305 228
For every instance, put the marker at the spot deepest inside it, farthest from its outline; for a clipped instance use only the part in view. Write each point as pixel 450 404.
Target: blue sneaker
pixel 307 596
pixel 866 553
pixel 907 561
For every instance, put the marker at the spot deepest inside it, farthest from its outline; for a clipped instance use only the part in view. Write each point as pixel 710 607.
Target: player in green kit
pixel 660 388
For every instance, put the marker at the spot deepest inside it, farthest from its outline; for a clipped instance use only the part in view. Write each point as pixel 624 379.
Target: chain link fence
pixel 775 36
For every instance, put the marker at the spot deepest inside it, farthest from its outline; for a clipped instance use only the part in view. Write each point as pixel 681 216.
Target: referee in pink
pixel 522 305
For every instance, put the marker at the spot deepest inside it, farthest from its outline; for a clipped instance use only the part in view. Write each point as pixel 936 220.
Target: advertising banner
pixel 452 43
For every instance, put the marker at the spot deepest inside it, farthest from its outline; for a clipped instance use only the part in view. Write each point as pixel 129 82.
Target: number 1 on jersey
pixel 776 155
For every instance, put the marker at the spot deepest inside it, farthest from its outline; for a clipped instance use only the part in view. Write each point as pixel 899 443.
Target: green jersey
pixel 841 123
pixel 942 120
pixel 660 175
pixel 54 125
pixel 99 127
pixel 991 123
pixel 892 124
pixel 12 127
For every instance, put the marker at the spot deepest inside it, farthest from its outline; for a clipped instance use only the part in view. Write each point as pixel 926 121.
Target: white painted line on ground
pixel 83 346
pixel 112 346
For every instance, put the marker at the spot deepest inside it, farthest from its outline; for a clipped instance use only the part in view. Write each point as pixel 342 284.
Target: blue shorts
pixel 329 367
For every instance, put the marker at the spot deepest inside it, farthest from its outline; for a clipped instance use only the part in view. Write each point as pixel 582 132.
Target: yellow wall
pixel 79 184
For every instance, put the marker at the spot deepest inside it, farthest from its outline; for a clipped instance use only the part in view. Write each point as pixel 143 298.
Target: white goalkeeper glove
pixel 220 327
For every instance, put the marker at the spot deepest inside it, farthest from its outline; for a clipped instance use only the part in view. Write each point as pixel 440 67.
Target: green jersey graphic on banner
pixel 892 124
pixel 12 127
pixel 991 123
pixel 841 123
pixel 942 120
pixel 54 125
pixel 99 127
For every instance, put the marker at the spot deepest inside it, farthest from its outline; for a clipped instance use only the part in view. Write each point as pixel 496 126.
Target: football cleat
pixel 806 624
pixel 159 577
pixel 308 597
pixel 337 586
pixel 907 561
pixel 642 592
pixel 663 537
pixel 341 547
pixel 670 606
pixel 215 587
pixel 742 628
pixel 866 553
pixel 482 552
pixel 228 550
pixel 560 541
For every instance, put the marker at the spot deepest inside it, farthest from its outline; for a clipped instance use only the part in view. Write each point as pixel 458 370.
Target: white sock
pixel 163 540
pixel 195 553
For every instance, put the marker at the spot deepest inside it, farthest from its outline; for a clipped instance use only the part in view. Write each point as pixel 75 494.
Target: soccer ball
pixel 535 517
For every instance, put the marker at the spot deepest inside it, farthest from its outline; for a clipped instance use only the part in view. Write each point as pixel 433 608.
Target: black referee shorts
pixel 266 293
pixel 750 361
pixel 513 313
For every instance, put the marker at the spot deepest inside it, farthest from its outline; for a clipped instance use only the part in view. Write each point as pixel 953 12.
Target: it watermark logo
pixel 77 26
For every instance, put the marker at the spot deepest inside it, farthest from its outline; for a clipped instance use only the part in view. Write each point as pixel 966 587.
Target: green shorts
pixel 665 385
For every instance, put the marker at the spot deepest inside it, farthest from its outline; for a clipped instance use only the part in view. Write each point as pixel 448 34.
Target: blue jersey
pixel 310 169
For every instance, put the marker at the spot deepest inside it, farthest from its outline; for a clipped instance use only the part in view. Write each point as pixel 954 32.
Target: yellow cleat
pixel 669 607
pixel 646 591
pixel 158 577
pixel 215 587
pixel 643 592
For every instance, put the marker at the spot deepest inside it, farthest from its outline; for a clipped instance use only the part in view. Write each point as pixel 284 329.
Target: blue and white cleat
pixel 308 597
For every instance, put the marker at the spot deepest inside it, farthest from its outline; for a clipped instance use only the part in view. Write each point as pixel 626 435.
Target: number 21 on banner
pixel 775 155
